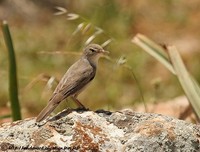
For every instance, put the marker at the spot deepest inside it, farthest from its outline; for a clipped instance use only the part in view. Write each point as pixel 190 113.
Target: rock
pixel 101 131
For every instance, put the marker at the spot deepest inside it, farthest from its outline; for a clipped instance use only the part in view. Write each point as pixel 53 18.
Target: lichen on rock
pixel 102 131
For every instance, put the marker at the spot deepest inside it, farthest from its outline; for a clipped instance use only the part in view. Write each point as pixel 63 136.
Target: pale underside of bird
pixel 77 77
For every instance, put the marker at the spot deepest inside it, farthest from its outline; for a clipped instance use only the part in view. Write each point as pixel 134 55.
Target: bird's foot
pixel 103 111
pixel 82 109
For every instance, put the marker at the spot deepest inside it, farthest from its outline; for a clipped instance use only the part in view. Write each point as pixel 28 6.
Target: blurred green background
pixel 38 34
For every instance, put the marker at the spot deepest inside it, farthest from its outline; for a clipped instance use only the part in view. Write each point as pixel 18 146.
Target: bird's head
pixel 93 52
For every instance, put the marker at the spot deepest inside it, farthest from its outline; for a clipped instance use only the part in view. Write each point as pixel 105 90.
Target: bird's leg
pixel 78 102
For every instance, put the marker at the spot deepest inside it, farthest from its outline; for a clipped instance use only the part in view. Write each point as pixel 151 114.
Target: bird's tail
pixel 46 111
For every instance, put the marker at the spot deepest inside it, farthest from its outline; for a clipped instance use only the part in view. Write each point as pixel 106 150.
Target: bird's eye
pixel 92 50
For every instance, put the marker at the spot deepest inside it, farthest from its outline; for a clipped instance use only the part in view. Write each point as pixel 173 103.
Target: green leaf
pixel 13 87
pixel 188 83
pixel 154 50
pixel 190 86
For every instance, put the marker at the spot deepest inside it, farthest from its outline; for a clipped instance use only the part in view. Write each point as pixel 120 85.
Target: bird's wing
pixel 77 76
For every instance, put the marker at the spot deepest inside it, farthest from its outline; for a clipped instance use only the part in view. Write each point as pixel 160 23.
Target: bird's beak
pixel 105 52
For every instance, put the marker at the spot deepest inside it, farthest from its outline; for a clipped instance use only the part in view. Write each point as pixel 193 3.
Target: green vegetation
pixel 177 67
pixel 13 87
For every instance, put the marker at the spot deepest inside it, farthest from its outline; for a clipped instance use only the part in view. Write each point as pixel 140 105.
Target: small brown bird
pixel 75 79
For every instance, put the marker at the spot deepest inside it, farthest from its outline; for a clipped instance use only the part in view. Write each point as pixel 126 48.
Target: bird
pixel 75 80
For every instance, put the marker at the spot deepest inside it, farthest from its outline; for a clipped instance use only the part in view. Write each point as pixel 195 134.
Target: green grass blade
pixel 190 88
pixel 154 50
pixel 13 87
pixel 197 87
